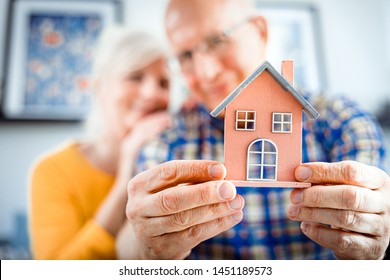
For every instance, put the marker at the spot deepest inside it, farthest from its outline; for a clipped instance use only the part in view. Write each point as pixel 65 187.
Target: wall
pixel 355 49
pixel 357 55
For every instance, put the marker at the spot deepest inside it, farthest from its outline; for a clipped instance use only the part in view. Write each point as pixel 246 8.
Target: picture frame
pixel 48 56
pixel 295 33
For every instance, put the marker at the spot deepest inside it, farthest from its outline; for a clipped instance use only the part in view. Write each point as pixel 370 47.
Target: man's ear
pixel 262 26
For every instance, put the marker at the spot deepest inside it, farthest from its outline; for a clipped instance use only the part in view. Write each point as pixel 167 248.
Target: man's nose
pixel 207 66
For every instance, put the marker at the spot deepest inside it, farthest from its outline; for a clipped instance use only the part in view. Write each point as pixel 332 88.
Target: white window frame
pixel 246 120
pixel 282 122
pixel 262 164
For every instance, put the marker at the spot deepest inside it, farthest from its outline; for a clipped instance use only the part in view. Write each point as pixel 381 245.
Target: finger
pixel 181 198
pixel 360 222
pixel 339 197
pixel 186 219
pixel 192 236
pixel 345 245
pixel 176 172
pixel 344 172
pixel 177 245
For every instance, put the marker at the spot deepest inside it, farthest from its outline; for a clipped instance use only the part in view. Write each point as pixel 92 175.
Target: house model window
pixel 262 160
pixel 281 122
pixel 245 120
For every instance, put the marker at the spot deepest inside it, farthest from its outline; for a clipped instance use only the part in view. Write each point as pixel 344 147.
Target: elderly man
pixel 180 209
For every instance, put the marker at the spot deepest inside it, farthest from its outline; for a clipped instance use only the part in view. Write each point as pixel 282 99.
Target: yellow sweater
pixel 66 190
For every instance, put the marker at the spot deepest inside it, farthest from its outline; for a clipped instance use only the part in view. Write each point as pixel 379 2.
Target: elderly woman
pixel 78 192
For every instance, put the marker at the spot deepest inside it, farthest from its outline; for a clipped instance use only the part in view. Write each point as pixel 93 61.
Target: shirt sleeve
pixel 58 229
pixel 90 242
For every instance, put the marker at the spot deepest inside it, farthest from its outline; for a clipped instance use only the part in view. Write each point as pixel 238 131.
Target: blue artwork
pixel 59 59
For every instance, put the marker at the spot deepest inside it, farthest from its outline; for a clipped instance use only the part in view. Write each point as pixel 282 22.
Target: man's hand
pixel 176 205
pixel 347 209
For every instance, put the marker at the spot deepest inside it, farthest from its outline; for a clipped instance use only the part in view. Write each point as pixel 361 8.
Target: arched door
pixel 262 160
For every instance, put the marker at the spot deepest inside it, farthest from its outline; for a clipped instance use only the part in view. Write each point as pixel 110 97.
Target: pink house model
pixel 263 128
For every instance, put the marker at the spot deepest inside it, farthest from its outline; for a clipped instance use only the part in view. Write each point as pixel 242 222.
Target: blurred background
pixel 340 47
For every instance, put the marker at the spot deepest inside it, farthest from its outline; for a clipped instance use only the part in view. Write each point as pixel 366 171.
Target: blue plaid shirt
pixel 342 132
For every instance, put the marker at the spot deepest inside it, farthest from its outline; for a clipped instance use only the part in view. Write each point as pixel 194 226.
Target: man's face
pixel 214 65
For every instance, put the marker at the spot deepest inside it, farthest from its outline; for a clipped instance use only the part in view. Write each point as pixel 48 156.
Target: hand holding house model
pixel 263 128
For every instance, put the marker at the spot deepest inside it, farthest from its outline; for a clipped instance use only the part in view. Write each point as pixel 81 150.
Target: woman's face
pixel 126 100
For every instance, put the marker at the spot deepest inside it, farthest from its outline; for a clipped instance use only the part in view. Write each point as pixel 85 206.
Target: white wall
pixel 356 35
pixel 385 14
pixel 146 14
pixel 355 45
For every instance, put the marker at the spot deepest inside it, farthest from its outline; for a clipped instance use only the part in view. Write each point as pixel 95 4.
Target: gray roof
pixel 308 109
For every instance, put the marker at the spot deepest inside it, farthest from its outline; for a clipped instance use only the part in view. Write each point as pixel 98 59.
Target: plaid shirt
pixel 342 132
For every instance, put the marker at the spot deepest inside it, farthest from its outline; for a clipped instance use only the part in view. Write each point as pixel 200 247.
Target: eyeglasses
pixel 216 45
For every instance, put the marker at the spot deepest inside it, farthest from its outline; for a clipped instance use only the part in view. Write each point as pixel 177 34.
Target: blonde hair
pixel 120 51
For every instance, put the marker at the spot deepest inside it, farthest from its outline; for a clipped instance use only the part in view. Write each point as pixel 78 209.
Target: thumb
pixel 343 172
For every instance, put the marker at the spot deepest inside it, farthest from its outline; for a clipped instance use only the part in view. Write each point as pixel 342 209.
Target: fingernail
pixel 293 211
pixel 235 204
pixel 303 173
pixel 297 196
pixel 226 191
pixel 216 171
pixel 304 226
pixel 237 216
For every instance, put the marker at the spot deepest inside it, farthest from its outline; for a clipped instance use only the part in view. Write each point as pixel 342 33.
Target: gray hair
pixel 120 51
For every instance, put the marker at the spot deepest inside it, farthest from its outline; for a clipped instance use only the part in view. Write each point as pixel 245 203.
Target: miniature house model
pixel 263 128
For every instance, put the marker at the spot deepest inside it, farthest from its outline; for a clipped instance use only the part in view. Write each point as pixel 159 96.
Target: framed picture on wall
pixel 294 33
pixel 48 56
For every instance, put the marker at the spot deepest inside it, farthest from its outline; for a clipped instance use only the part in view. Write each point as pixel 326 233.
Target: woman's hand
pixel 111 214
